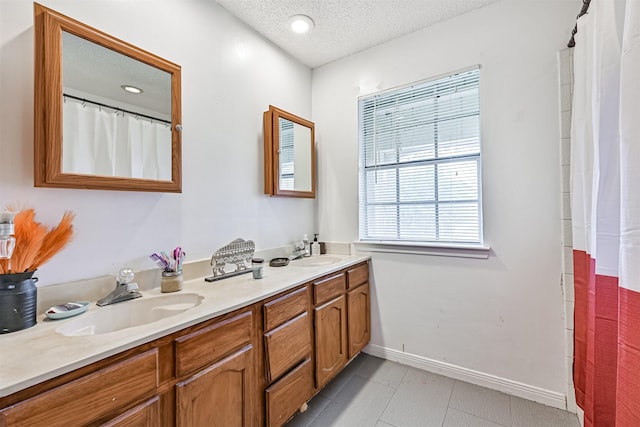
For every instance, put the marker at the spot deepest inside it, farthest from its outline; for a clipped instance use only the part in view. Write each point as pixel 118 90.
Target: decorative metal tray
pixel 239 252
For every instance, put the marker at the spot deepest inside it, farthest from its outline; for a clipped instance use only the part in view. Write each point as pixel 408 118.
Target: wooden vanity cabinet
pixel 342 319
pixel 255 366
pixel 340 327
pixel 287 355
pixel 203 375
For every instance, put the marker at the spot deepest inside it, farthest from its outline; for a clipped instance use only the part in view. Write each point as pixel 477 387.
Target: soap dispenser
pixel 315 246
pixel 307 247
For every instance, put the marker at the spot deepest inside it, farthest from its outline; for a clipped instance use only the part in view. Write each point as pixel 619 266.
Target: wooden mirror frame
pixel 272 150
pixel 49 25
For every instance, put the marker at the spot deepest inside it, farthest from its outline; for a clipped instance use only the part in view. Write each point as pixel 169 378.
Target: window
pixel 287 175
pixel 420 162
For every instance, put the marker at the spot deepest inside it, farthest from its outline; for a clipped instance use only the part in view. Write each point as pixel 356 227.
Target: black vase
pixel 18 301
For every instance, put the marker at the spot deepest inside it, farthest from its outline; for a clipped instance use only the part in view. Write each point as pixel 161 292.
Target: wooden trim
pixel 49 25
pixel 271 153
pixel 268 154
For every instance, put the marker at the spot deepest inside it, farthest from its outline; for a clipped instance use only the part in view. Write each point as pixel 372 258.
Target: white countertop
pixel 37 354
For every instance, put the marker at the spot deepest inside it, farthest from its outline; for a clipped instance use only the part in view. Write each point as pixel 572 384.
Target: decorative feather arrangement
pixel 53 242
pixel 36 243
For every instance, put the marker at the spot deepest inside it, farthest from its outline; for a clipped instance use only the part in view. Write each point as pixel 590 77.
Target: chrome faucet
pixel 299 251
pixel 125 290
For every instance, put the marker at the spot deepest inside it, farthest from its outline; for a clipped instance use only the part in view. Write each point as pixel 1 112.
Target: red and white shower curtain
pixel 605 202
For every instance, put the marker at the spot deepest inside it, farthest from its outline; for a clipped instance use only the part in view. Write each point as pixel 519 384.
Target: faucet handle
pixel 125 276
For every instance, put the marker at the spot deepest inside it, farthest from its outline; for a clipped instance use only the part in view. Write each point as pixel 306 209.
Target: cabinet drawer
pixel 144 415
pixel 285 397
pixel 91 397
pixel 326 289
pixel 357 276
pixel 284 308
pixel 287 345
pixel 200 348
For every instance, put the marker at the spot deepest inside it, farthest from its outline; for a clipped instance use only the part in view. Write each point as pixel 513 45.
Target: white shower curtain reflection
pixel 97 141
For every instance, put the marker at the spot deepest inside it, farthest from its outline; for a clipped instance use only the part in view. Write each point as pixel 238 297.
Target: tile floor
pixel 379 393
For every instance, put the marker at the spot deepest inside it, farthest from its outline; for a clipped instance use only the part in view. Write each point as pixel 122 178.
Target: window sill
pixel 420 248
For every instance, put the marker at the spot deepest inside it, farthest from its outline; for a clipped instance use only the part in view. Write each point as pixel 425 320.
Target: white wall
pixel 230 75
pixel 502 316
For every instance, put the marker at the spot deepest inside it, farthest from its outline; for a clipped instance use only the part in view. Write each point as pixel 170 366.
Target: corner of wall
pixel 565 67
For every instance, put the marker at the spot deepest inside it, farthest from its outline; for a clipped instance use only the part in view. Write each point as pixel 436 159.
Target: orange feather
pixel 56 239
pixel 29 238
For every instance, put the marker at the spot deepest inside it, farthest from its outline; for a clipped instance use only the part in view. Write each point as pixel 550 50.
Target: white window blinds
pixel 287 172
pixel 420 162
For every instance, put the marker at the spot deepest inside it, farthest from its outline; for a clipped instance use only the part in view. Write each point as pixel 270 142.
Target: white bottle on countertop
pixel 315 246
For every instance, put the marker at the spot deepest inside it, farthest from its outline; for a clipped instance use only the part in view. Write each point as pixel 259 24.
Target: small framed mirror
pixel 289 155
pixel 107 113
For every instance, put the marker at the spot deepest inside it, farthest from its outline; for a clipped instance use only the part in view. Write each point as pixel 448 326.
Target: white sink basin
pixel 315 261
pixel 129 314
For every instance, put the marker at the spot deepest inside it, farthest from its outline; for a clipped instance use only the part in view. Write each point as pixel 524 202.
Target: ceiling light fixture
pixel 132 89
pixel 300 24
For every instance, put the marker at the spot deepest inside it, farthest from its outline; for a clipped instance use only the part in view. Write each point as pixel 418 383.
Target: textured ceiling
pixel 343 27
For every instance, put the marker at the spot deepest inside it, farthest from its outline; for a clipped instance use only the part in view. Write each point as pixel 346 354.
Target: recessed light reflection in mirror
pixel 132 89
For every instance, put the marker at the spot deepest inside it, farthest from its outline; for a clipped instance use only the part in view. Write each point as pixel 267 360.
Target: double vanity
pixel 237 352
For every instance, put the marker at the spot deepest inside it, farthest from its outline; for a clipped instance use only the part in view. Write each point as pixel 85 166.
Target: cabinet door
pixel 220 395
pixel 331 339
pixel 145 415
pixel 359 319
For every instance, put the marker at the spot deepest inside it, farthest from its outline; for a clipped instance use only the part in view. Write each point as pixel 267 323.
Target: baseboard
pixel 525 391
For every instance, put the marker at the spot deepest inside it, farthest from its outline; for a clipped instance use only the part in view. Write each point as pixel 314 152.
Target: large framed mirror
pixel 289 154
pixel 107 113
